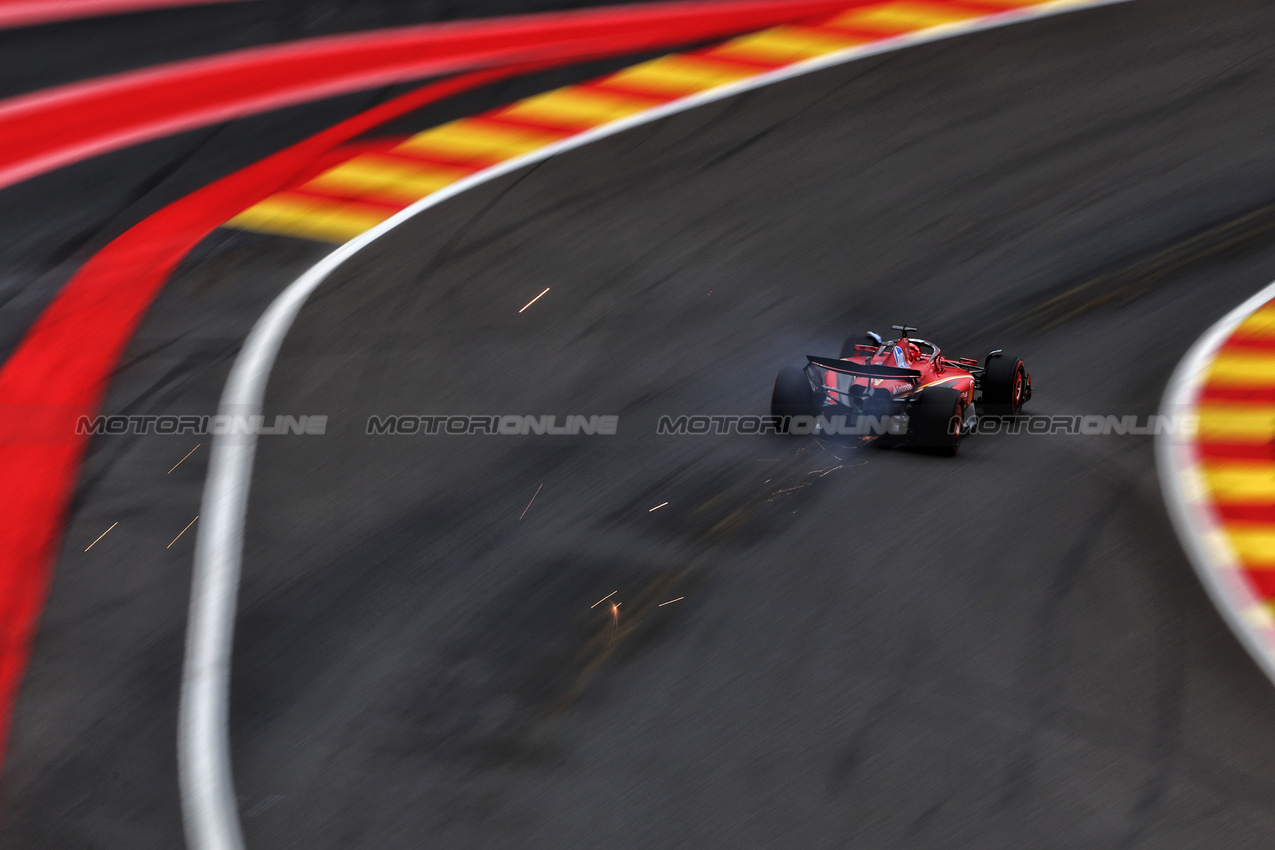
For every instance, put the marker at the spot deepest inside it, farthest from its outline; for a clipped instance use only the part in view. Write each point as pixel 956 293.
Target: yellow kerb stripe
pixel 1239 423
pixel 470 138
pixel 1023 4
pixel 1242 370
pixel 1240 482
pixel 782 45
pixel 387 178
pixel 901 17
pixel 326 221
pixel 677 76
pixel 578 107
pixel 1260 324
pixel 1014 4
pixel 1254 544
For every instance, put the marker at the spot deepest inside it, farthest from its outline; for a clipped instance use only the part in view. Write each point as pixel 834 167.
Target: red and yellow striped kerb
pixel 372 185
pixel 1224 477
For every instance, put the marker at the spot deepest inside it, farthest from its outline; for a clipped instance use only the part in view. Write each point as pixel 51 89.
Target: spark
pixel 834 469
pixel 188 454
pixel 604 599
pixel 533 498
pixel 790 489
pixel 670 602
pixel 615 619
pixel 657 507
pixel 100 536
pixel 822 447
pixel 534 300
pixel 180 533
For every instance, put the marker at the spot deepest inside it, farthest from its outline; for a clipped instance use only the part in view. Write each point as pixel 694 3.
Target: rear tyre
pixel 935 422
pixel 1005 386
pixel 792 396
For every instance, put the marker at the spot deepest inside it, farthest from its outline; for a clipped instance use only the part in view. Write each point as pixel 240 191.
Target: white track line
pixel 1185 491
pixel 209 811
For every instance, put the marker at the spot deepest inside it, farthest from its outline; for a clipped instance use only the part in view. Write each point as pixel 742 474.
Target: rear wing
pixel 865 370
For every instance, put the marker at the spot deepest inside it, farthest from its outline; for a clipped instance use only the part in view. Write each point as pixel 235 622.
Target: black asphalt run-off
pixel 875 648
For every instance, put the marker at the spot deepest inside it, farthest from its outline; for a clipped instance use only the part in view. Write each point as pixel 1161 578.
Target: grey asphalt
pixel 874 648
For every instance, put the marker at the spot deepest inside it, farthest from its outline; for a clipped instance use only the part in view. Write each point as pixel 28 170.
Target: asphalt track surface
pixel 1004 649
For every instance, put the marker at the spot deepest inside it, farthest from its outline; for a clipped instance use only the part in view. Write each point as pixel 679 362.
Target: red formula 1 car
pixel 903 391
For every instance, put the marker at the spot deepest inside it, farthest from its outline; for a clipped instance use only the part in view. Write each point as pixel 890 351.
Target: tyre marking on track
pixel 207 785
pixel 1219 483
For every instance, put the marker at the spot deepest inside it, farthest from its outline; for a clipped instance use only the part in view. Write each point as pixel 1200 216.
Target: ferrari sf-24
pixel 901 391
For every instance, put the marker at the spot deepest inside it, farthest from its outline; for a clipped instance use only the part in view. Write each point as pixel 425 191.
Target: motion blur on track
pixel 644 639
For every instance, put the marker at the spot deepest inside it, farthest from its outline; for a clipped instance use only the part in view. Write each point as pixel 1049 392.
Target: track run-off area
pixel 868 646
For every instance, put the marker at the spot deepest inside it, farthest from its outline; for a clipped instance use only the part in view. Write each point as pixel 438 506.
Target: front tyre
pixel 936 421
pixel 1006 386
pixel 792 396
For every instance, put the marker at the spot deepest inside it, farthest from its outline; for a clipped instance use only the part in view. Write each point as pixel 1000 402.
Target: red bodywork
pixel 919 355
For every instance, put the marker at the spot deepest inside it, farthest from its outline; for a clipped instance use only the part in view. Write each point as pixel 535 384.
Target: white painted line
pixel 1185 491
pixel 209 812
